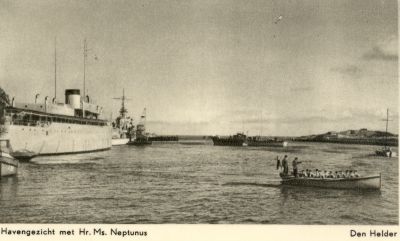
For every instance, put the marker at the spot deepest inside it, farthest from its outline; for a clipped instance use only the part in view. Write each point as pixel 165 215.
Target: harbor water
pixel 177 184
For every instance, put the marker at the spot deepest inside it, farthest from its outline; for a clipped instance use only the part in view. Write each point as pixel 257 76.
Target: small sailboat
pixel 8 164
pixel 386 151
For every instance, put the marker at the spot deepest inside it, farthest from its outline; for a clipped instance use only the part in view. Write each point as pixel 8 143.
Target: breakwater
pixel 164 138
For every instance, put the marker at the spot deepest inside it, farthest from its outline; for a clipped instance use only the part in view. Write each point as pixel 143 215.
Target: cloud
pixel 386 50
pixel 351 70
pixel 323 115
pixel 379 54
pixel 315 120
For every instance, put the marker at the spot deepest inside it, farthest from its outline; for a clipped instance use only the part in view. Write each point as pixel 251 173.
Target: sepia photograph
pixel 259 113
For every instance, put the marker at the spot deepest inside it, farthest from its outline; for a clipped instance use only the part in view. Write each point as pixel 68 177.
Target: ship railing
pixel 43 123
pixel 48 120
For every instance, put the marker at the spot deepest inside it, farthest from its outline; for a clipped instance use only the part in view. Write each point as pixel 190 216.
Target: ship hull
pixel 140 142
pixel 119 141
pixel 58 138
pixel 371 182
pixel 8 165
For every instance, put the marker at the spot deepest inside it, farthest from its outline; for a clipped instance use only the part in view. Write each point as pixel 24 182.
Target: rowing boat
pixel 368 182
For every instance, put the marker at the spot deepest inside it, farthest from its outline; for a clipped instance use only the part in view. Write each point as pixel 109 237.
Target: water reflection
pixel 316 192
pixel 8 188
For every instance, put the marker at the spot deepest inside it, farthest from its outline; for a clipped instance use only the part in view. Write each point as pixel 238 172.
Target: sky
pixel 212 67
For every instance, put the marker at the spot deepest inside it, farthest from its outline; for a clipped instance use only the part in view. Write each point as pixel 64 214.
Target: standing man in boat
pixel 295 162
pixel 285 166
pixel 278 163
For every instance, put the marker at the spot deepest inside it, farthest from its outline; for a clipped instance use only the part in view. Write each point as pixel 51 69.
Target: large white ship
pixel 55 128
pixel 51 127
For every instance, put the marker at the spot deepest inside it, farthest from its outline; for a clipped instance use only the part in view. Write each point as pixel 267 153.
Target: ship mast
pixel 387 120
pixel 84 67
pixel 387 125
pixel 84 76
pixel 261 125
pixel 141 126
pixel 143 117
pixel 123 111
pixel 55 68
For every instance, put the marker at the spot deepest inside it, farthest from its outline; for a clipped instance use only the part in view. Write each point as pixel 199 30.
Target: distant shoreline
pixel 361 137
pixel 376 142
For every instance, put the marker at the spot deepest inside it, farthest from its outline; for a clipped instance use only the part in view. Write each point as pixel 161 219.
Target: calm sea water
pixel 175 183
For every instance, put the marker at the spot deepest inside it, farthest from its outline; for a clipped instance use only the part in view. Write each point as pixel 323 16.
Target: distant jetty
pixel 361 137
pixel 164 138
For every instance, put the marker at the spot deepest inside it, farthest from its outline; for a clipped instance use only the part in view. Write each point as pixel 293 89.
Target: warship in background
pixel 123 128
pixel 240 139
